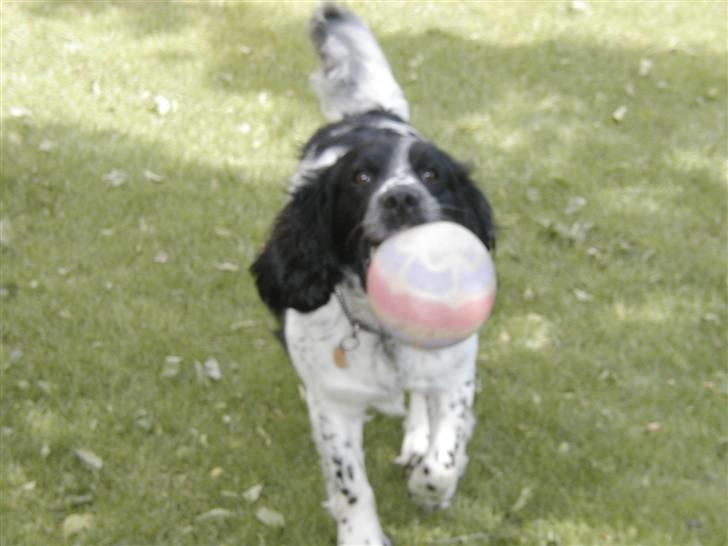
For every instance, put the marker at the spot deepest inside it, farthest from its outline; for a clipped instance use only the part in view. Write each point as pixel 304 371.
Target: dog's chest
pixel 367 368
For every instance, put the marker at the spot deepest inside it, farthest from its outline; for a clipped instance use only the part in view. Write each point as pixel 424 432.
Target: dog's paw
pixel 414 448
pixel 353 531
pixel 356 539
pixel 432 485
pixel 409 460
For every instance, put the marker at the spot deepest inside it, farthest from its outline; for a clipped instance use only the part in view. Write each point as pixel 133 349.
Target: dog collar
pixel 351 342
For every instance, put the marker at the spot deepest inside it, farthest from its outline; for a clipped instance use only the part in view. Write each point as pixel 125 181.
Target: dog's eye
pixel 362 177
pixel 430 175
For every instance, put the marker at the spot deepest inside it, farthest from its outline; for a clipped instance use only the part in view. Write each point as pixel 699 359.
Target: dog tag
pixel 340 357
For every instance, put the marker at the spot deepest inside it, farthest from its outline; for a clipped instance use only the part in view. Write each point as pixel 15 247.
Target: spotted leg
pixel 416 431
pixel 434 477
pixel 337 431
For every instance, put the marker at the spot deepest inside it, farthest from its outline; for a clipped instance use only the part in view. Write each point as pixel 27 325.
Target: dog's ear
pixel 297 267
pixel 477 214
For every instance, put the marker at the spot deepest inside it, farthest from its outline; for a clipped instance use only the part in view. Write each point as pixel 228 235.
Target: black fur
pixel 320 234
pixel 297 267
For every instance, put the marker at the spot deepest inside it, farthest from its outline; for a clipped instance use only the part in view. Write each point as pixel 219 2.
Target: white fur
pixel 314 162
pixel 376 374
pixel 354 76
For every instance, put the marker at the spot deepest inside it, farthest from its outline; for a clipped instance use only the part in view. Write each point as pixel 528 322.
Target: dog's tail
pixel 354 76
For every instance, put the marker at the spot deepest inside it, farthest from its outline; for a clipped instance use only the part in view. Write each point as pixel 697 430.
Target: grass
pixel 602 413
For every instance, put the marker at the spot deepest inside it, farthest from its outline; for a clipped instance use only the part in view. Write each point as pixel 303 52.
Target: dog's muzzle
pixel 397 206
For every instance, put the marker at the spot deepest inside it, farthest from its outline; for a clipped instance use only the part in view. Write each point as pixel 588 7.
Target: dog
pixel 365 176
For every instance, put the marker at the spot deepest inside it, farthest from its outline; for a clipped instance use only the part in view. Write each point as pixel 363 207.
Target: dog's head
pixel 359 182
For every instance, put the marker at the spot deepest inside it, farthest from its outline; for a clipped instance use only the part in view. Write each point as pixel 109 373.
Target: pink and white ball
pixel 432 285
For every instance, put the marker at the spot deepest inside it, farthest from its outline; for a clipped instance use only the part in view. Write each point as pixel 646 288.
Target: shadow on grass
pixel 138 282
pixel 564 422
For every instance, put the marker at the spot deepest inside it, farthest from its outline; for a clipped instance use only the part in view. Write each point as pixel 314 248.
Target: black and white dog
pixel 362 178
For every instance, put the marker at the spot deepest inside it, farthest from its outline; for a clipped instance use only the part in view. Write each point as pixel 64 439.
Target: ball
pixel 432 285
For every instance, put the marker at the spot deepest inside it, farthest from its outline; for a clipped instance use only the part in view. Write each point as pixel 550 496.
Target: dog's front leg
pixel 337 431
pixel 416 432
pixel 434 477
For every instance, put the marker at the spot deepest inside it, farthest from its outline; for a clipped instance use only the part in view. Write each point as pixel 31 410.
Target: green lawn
pixel 145 149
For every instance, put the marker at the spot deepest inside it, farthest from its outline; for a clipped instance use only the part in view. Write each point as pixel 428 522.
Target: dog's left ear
pixel 476 212
pixel 297 267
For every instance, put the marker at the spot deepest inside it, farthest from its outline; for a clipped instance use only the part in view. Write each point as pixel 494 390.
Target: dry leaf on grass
pixel 115 178
pixel 252 494
pixel 75 501
pixel 575 233
pixel 619 114
pixel 163 106
pixel 212 369
pixel 575 204
pixel 654 426
pixel 712 93
pixel 20 112
pixel 580 6
pixel 523 498
pixel 269 517
pixel 260 431
pixel 242 324
pixel 646 66
pixel 46 146
pixel 89 458
pixel 223 232
pixel 171 367
pixel 77 523
pixel 538 334
pixel 582 295
pixel 228 267
pixel 152 176
pixel 144 420
pixel 215 513
pixel 15 355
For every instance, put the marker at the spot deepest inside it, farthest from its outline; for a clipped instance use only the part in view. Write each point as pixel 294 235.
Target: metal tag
pixel 340 357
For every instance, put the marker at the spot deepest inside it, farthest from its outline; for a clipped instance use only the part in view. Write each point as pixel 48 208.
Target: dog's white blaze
pixel 400 172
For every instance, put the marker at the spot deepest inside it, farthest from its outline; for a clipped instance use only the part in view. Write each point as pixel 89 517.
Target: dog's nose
pixel 401 200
